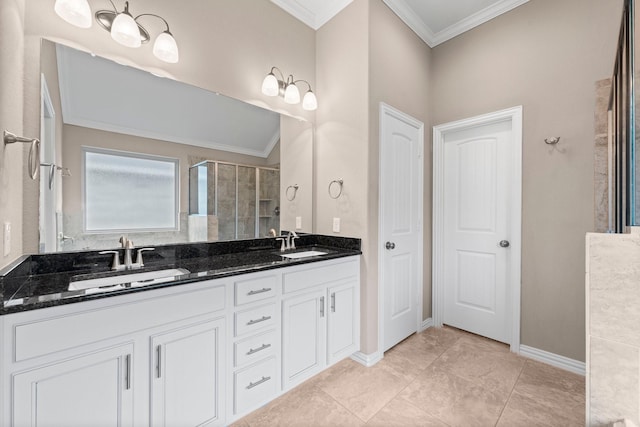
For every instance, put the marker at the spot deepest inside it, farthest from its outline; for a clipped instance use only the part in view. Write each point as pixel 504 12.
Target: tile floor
pixel 440 377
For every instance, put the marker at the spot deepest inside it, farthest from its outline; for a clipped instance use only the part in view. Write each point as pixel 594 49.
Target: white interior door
pixel 477 176
pixel 400 239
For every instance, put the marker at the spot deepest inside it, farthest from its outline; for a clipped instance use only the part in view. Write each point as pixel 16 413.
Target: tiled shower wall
pixel 613 327
pixel 601 183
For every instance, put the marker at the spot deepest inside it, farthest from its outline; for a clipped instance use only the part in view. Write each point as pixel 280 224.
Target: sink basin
pixel 132 279
pixel 303 254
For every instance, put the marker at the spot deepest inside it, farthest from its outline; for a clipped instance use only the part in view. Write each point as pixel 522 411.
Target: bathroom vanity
pixel 241 326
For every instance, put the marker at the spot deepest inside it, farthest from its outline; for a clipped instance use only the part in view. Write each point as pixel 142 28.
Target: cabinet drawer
pixel 254 348
pixel 314 276
pixel 255 385
pixel 255 289
pixel 255 319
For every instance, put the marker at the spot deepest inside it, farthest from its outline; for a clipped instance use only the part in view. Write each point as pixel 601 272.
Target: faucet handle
pixel 292 236
pixel 115 265
pixel 139 257
pixel 282 245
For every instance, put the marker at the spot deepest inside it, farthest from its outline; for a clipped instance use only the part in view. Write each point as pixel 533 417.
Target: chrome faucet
pixel 288 241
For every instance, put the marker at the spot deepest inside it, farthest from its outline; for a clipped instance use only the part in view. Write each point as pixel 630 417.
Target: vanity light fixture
pixel 287 88
pixel 123 27
pixel 75 12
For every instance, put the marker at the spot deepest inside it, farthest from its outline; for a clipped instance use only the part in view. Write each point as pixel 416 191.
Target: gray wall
pixel 12 173
pixel 547 56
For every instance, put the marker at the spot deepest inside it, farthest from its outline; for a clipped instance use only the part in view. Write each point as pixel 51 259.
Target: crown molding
pixel 413 21
pixel 313 18
pixel 476 19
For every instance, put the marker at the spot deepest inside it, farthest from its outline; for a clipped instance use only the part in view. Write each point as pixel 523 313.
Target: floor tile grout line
pixel 513 389
pixel 338 402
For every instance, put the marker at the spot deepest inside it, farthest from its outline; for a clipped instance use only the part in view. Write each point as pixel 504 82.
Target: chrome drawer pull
pixel 260 291
pixel 257 383
pixel 255 350
pixel 253 322
pixel 127 381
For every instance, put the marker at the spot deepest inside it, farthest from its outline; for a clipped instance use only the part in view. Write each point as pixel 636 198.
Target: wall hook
pixel 552 140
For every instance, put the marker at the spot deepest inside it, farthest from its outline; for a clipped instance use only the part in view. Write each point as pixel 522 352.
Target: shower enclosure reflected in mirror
pixel 229 201
pixel 132 141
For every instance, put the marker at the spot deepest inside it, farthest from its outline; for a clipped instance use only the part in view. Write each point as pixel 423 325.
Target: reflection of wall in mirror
pixel 75 137
pixel 296 169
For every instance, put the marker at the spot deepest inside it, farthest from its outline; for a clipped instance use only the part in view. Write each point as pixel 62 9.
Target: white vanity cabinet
pixel 149 358
pixel 91 389
pixel 198 354
pixel 186 375
pixel 320 317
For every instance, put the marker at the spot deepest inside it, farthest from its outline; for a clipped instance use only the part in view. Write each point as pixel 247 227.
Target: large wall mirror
pixel 125 152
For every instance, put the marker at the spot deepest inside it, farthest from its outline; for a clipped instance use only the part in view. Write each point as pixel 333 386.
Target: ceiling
pixel 101 94
pixel 434 21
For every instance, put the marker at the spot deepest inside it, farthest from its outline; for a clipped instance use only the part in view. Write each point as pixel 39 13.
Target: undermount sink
pixel 128 280
pixel 303 254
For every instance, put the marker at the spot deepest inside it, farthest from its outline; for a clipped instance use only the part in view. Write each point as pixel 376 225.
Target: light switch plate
pixel 7 238
pixel 298 223
pixel 336 225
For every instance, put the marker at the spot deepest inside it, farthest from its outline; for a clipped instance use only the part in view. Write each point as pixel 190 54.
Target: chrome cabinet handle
pixel 333 302
pixel 504 243
pixel 255 350
pixel 260 291
pixel 127 379
pixel 158 361
pixel 257 383
pixel 321 306
pixel 390 245
pixel 262 319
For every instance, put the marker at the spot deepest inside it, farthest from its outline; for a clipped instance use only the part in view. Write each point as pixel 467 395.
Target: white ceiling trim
pixel 322 13
pixel 412 19
pixel 164 137
pixel 414 22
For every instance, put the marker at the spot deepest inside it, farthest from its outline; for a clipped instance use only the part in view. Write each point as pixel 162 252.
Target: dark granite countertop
pixel 38 281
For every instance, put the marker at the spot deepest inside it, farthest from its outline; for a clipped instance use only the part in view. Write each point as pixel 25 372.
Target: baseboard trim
pixel 426 324
pixel 367 360
pixel 553 359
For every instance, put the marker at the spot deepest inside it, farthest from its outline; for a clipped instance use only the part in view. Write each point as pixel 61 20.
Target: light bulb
pixel 125 31
pixel 270 85
pixel 75 12
pixel 309 102
pixel 291 94
pixel 165 48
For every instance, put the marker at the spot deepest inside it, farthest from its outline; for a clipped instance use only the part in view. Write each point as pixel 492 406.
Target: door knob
pixel 390 245
pixel 504 243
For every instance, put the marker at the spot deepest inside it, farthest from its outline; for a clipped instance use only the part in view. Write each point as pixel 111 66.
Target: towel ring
pixel 293 187
pixel 340 182
pixel 34 151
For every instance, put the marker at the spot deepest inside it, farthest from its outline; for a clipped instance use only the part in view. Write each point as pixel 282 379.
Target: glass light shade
pixel 309 102
pixel 270 85
pixel 291 94
pixel 125 31
pixel 165 48
pixel 75 12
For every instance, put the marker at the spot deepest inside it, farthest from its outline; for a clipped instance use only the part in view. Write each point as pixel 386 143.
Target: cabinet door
pixel 187 382
pixel 344 322
pixel 94 389
pixel 303 337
